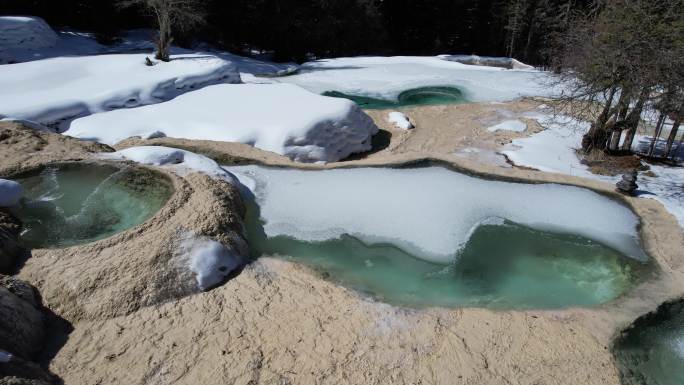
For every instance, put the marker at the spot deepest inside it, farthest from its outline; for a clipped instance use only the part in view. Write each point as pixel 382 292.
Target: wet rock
pixel 18 371
pixel 9 247
pixel 22 324
pixel 628 184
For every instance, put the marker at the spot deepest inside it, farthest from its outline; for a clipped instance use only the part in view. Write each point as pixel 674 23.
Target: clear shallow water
pixel 71 203
pixel 652 351
pixel 424 96
pixel 502 266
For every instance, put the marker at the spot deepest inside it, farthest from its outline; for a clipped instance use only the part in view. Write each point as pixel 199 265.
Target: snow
pixel 18 33
pixel 503 62
pixel 281 118
pixel 429 212
pixel 50 90
pixel 400 120
pixel 387 77
pixel 179 161
pixel 211 261
pixel 5 356
pixel 10 193
pixel 509 125
pixel 551 150
pixel 554 150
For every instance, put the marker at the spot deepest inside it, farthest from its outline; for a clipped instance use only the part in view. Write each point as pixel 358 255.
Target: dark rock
pixel 22 323
pixel 10 250
pixel 628 184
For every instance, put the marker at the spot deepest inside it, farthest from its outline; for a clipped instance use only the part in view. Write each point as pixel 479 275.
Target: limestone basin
pixel 651 350
pixel 73 203
pixel 424 96
pixel 313 217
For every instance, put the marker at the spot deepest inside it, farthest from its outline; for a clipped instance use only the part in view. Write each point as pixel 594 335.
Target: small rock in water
pixel 628 184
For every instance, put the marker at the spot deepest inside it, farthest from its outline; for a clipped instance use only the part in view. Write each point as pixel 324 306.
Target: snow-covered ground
pixel 503 62
pixel 555 150
pixel 509 125
pixel 48 91
pixel 24 34
pixel 430 212
pixel 282 118
pixel 387 77
pixel 179 161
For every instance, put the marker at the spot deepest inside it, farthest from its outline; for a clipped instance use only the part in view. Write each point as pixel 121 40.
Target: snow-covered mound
pixel 20 33
pixel 179 161
pixel 276 117
pixel 429 212
pixel 209 260
pixel 387 77
pixel 400 120
pixel 502 62
pixel 10 193
pixel 509 125
pixel 48 91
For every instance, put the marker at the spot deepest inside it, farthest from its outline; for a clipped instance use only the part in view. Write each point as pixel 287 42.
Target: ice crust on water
pixel 429 212
pixel 48 91
pixel 509 125
pixel 387 77
pixel 400 120
pixel 282 118
pixel 210 260
pixel 10 193
pixel 180 161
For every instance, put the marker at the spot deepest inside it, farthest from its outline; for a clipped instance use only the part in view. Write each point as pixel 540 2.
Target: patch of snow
pixel 503 62
pixel 400 120
pixel 48 91
pixel 428 212
pixel 281 118
pixel 387 77
pixel 20 33
pixel 10 193
pixel 667 187
pixel 179 161
pixel 211 261
pixel 509 125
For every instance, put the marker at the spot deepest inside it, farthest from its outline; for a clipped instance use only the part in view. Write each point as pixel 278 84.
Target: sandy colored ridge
pixel 138 320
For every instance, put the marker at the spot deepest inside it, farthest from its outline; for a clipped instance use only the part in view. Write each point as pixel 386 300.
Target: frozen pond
pixel 434 237
pixel 71 203
pixel 424 96
pixel 651 352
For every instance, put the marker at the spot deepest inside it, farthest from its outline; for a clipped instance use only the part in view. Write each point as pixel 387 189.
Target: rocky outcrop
pixel 10 250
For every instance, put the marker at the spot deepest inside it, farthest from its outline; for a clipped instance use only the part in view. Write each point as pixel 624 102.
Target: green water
pixel 424 96
pixel 652 351
pixel 71 204
pixel 501 267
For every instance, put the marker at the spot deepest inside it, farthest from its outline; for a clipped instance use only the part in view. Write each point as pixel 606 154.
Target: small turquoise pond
pixel 424 96
pixel 74 203
pixel 651 352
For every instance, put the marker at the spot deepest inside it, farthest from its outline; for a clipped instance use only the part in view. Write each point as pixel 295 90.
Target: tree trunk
pixel 673 135
pixel 164 39
pixel 596 137
pixel 656 134
pixel 632 120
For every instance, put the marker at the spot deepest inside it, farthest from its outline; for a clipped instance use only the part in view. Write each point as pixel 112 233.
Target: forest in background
pixel 298 30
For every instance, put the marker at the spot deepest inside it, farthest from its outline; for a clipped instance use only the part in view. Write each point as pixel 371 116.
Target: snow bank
pixel 400 120
pixel 551 150
pixel 429 212
pixel 502 62
pixel 275 117
pixel 387 77
pixel 50 90
pixel 179 161
pixel 509 125
pixel 18 33
pixel 665 187
pixel 210 260
pixel 10 193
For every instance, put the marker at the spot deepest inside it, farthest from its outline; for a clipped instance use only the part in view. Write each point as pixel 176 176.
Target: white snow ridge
pixel 48 91
pixel 282 118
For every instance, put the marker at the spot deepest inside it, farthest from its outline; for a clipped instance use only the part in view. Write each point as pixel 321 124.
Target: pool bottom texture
pixel 73 203
pixel 503 266
pixel 651 352
pixel 424 96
